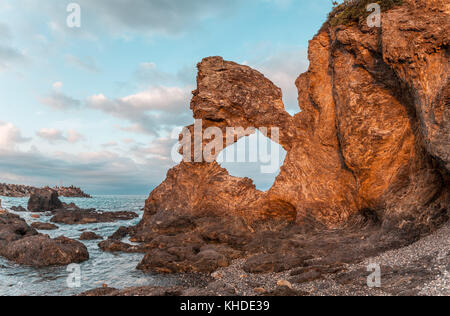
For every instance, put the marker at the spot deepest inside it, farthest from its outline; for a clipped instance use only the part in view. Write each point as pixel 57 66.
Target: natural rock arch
pixel 372 134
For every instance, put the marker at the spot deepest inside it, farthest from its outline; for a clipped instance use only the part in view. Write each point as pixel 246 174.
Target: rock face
pixel 24 245
pixel 44 200
pixel 372 136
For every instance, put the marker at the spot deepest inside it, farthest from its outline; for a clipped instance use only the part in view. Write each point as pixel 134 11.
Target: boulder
pixel 90 236
pixel 79 216
pixel 22 244
pixel 44 200
pixel 43 226
pixel 18 209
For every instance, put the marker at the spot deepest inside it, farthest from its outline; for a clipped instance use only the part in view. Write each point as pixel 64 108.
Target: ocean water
pixel 115 270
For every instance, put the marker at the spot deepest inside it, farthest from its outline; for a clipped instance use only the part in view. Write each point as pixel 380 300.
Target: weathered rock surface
pixel 43 226
pixel 44 200
pixel 24 245
pixel 19 209
pixel 90 236
pixel 80 216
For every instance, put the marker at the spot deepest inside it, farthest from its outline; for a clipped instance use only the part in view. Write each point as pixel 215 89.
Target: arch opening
pixel 256 157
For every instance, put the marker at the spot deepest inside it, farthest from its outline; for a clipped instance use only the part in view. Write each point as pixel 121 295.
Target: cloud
pixel 150 111
pixel 148 73
pixel 155 16
pixel 283 68
pixel 9 56
pixel 5 32
pixel 99 172
pixel 87 64
pixel 110 144
pixel 60 101
pixel 53 135
pixel 57 85
pixel 10 135
pixel 74 137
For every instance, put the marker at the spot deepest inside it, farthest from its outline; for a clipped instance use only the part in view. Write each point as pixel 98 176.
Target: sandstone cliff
pixel 372 137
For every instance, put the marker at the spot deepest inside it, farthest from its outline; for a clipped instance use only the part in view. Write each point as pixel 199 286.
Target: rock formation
pixel 372 135
pixel 90 236
pixel 80 216
pixel 367 166
pixel 44 201
pixel 24 245
pixel 43 226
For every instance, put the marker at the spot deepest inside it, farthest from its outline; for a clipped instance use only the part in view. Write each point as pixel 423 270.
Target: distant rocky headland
pixel 18 190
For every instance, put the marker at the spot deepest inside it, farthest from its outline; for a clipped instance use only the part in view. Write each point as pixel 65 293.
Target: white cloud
pixel 74 137
pixel 87 64
pixel 57 85
pixel 53 135
pixel 10 136
pixel 156 16
pixel 57 100
pixel 149 111
pixel 283 68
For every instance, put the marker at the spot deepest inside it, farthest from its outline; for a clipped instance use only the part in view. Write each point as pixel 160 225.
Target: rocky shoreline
pixel 18 190
pixel 420 269
pixel 23 244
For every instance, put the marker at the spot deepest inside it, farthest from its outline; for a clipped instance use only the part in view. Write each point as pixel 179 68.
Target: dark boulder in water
pixel 80 217
pixel 44 226
pixel 44 200
pixel 90 236
pixel 19 209
pixel 22 244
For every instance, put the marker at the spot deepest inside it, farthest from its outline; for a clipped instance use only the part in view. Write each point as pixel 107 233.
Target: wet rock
pixel 90 236
pixel 44 200
pixel 111 245
pixel 24 245
pixel 41 251
pixel 18 209
pixel 43 226
pixel 13 228
pixel 79 217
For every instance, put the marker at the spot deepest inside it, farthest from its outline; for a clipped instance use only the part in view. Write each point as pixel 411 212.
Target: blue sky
pixel 95 106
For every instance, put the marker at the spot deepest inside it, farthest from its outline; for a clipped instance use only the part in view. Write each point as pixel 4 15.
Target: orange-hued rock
pixel 372 136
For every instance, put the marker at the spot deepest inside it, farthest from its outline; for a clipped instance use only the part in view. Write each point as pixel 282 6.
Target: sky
pixel 96 105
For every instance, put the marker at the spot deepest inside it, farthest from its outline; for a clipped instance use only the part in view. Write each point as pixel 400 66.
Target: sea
pixel 114 270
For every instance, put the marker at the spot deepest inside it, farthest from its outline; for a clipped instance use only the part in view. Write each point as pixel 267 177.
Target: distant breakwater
pixel 18 190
